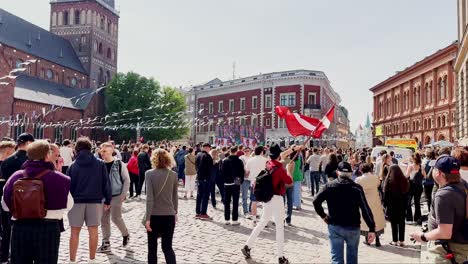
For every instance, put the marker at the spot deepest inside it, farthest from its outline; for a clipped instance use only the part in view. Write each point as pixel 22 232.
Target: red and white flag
pixel 324 123
pixel 298 125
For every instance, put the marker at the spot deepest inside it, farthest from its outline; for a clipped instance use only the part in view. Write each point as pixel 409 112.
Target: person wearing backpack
pixel 273 208
pixel 37 197
pixel 120 184
pixel 448 220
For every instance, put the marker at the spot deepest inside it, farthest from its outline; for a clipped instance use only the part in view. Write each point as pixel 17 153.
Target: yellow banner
pixel 378 131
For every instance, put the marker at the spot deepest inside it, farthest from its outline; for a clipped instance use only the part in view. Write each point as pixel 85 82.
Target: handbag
pixel 162 188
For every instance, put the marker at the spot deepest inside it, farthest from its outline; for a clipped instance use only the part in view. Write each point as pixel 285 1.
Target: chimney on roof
pixel 39 36
pixel 61 53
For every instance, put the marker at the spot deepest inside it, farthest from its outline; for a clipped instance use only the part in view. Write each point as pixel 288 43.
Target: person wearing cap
pixel 448 214
pixel 8 167
pixel 203 165
pixel 344 198
pixel 274 209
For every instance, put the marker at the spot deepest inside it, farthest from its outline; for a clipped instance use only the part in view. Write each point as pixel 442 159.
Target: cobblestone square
pixel 197 241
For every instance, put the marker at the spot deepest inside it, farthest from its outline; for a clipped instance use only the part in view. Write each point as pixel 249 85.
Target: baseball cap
pixel 25 137
pixel 275 151
pixel 344 167
pixel 448 165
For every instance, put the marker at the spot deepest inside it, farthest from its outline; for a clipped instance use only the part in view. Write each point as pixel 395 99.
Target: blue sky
pixel 356 43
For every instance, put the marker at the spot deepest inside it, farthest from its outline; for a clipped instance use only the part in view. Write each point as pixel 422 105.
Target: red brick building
pixel 61 69
pixel 420 101
pixel 250 101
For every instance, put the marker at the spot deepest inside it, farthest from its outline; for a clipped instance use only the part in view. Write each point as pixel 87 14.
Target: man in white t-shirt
pixel 253 167
pixel 314 167
pixel 66 152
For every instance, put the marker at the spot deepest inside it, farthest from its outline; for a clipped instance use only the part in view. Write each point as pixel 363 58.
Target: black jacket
pixel 144 163
pixel 204 165
pixel 13 164
pixel 344 198
pixel 231 168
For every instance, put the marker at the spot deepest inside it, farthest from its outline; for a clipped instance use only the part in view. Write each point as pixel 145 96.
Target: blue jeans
pixel 288 197
pixel 245 195
pixel 307 180
pixel 203 193
pixel 324 178
pixel 338 236
pixel 315 181
pixel 297 194
pixel 181 172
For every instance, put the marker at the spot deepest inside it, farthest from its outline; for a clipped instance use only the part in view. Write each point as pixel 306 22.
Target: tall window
pixel 396 102
pixel 281 123
pixel 109 52
pixel 66 18
pixel 288 99
pixel 254 102
pixel 73 133
pixel 220 106
pixel 268 101
pixel 267 122
pixel 38 131
pixel 231 105
pixel 442 89
pixel 77 17
pixel 18 64
pixel 201 108
pixel 210 108
pixel 242 121
pixel 312 98
pixel 58 134
pixel 242 104
pixel 254 121
pixel 100 48
pixel 428 94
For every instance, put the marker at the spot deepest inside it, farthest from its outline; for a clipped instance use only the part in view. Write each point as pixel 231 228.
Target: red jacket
pixel 280 177
pixel 132 165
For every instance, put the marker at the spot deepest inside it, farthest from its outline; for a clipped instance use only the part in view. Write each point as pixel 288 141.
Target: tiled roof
pixel 29 38
pixel 41 91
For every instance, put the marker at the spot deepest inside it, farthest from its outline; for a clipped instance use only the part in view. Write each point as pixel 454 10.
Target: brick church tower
pixel 91 26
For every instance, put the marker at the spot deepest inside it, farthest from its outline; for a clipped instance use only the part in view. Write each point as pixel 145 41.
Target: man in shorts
pixel 90 185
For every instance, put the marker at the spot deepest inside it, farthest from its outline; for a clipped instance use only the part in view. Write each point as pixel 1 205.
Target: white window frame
pixel 231 121
pixel 200 107
pixel 287 97
pixel 242 121
pixel 252 119
pixel 242 103
pixel 210 108
pixel 233 105
pixel 268 101
pixel 254 102
pixel 221 106
pixel 315 98
pixel 267 122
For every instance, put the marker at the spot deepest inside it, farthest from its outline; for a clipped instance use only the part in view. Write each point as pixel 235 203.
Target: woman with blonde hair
pixel 214 178
pixel 161 205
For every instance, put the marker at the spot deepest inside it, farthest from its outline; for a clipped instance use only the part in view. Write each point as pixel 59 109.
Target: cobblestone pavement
pixel 197 241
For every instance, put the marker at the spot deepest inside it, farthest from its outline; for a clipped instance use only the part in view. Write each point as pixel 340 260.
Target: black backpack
pixel 263 190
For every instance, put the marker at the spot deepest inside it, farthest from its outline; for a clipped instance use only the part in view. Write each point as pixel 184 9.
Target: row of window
pixel 392 105
pixel 441 122
pixel 286 99
pixel 38 132
pixel 242 121
pixel 81 17
pixel 48 74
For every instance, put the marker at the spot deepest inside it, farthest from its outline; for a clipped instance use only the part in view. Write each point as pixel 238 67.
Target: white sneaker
pixel 92 261
pixel 227 222
pixel 235 223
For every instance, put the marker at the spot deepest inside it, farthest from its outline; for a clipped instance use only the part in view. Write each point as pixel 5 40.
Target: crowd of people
pixel 89 181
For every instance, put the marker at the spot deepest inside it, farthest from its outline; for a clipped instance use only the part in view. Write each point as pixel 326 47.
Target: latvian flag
pixel 301 125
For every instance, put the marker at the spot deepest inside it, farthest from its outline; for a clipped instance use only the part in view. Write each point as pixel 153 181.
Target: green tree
pixel 140 100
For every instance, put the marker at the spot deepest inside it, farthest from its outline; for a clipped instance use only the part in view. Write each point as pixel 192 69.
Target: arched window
pixel 77 17
pixel 443 120
pixel 95 46
pixel 18 64
pixel 109 26
pixel 101 76
pixel 109 53
pixel 108 77
pixel 50 74
pixel 102 23
pixel 100 48
pixel 442 89
pixel 66 18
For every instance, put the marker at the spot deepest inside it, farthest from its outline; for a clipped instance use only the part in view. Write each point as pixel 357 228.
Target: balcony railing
pixel 312 106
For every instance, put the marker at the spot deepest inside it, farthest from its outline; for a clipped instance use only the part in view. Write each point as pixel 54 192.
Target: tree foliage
pixel 128 92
